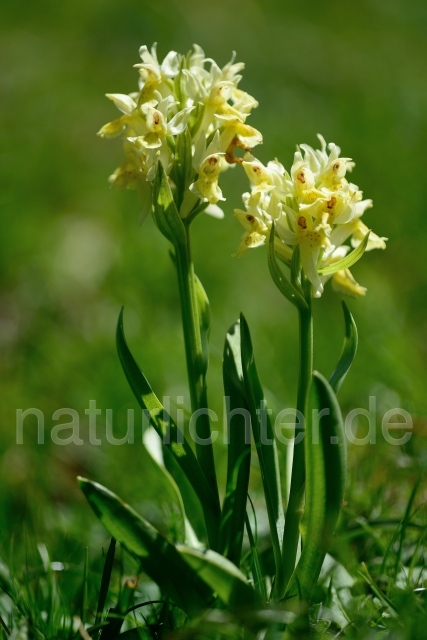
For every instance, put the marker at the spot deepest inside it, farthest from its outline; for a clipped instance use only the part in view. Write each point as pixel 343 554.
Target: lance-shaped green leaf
pixel 224 578
pixel 258 577
pixel 266 448
pixel 161 490
pixel 159 558
pixel 204 312
pixel 325 450
pixel 279 278
pixel 160 501
pixel 172 437
pixel 193 507
pixel 348 261
pixel 164 209
pixel 189 576
pixel 239 448
pixel 348 351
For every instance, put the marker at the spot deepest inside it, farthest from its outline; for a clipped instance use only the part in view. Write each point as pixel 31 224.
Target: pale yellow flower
pixel 208 163
pixel 359 232
pixel 156 128
pixel 344 282
pixel 132 174
pixel 155 77
pixel 216 89
pixel 312 238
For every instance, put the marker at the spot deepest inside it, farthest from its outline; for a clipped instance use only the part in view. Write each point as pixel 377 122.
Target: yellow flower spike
pixel 314 207
pixel 189 95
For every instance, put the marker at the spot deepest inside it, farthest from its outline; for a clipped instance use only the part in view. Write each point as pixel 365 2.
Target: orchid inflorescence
pixel 313 206
pixel 179 96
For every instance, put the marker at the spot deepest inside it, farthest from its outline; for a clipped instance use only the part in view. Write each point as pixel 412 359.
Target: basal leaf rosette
pixel 187 112
pixel 313 207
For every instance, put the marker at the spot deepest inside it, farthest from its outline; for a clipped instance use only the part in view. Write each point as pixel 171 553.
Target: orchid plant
pixel 183 127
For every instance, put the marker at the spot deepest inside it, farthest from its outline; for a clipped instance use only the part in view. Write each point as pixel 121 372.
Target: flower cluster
pixel 314 207
pixel 190 115
pixel 187 96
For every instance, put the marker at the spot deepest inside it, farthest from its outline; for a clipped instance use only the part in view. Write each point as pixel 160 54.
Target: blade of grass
pixel 364 573
pixel 85 586
pixel 5 627
pixel 400 533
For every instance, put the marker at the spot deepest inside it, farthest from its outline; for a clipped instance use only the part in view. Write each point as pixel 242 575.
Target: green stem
pixel 197 377
pixel 296 494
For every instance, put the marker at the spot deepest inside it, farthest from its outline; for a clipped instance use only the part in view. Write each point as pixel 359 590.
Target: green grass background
pixel 71 252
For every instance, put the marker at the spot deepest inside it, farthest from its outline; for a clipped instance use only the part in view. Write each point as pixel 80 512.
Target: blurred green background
pixel 72 253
